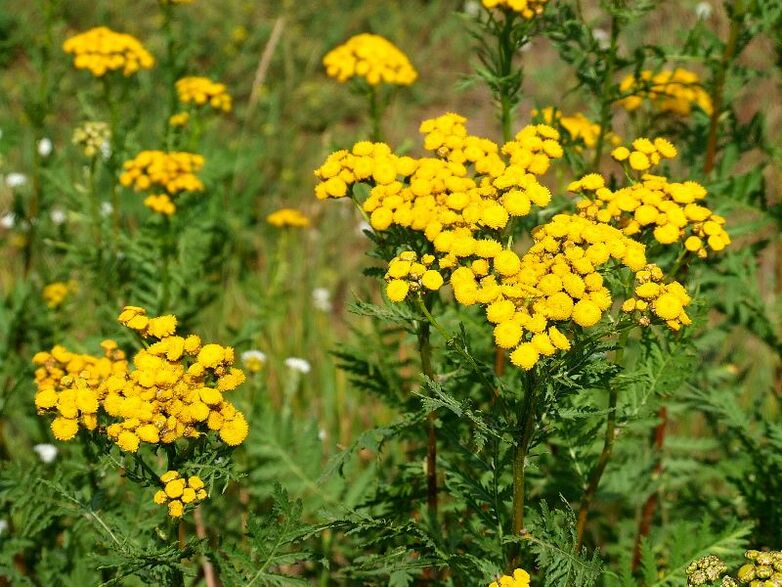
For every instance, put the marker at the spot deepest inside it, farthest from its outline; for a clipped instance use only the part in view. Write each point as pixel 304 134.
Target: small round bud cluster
pixel 528 9
pixel 173 172
pixel 665 301
pixel 705 570
pixel 407 274
pixel 101 50
pixel 675 92
pixel 288 218
pixel 764 569
pixel 93 137
pixel 371 57
pixel 519 578
pixel 201 91
pixel 179 493
pixel 668 211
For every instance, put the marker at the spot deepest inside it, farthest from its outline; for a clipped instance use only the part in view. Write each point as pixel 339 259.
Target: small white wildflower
pixel 3 527
pixel 602 37
pixel 296 364
pixel 45 147
pixel 47 452
pixel 14 180
pixel 472 8
pixel 253 360
pixel 105 149
pixel 106 209
pixel 703 10
pixel 8 220
pixel 58 216
pixel 321 299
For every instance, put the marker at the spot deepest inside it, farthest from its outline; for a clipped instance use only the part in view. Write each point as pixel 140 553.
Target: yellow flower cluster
pixel 201 91
pixel 175 172
pixel 288 218
pixel 69 385
pixel 666 301
pixel 407 274
pixel 764 569
pixel 520 578
pixel 175 389
pixel 101 50
pixel 371 57
pixel 669 210
pixel 526 8
pixel 471 185
pixel 55 293
pixel 178 492
pixel 179 119
pixel 675 91
pixel 578 126
pixel 556 280
pixel 93 138
pixel 160 204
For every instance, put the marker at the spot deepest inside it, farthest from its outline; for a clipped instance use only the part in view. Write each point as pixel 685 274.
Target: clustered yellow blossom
pixel 101 50
pixel 69 385
pixel 161 204
pixel 463 198
pixel 173 172
pixel 55 293
pixel 578 126
pixel 557 280
pixel 178 492
pixel 520 578
pixel 675 91
pixel 526 8
pixel 288 218
pixel 670 211
pixel 201 91
pixel 174 389
pixel 179 119
pixel 407 274
pixel 371 57
pixel 708 569
pixel 666 301
pixel 764 569
pixel 93 137
pixel 471 185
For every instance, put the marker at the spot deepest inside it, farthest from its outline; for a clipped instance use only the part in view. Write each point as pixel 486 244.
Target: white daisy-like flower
pixel 45 147
pixel 703 10
pixel 58 216
pixel 14 180
pixel 296 364
pixel 253 360
pixel 106 209
pixel 47 452
pixel 321 299
pixel 8 220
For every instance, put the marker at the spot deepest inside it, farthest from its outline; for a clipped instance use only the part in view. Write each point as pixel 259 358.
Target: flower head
pixel 298 365
pixel 101 50
pixel 202 91
pixel 372 58
pixel 288 218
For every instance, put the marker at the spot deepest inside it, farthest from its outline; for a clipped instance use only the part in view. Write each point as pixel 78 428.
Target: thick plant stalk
pixel 425 351
pixel 605 104
pixel 527 429
pixel 647 514
pixel 597 474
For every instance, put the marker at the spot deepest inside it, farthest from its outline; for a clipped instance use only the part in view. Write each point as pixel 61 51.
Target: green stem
pixel 425 353
pixel 506 51
pixel 605 454
pixel 375 113
pixel 606 97
pixel 526 431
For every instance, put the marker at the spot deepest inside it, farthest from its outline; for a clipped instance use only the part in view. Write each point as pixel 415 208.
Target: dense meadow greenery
pixel 415 292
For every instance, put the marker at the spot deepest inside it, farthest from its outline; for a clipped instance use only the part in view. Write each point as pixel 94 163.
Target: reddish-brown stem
pixel 209 571
pixel 647 513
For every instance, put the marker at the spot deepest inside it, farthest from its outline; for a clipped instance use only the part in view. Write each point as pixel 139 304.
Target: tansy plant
pixel 169 398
